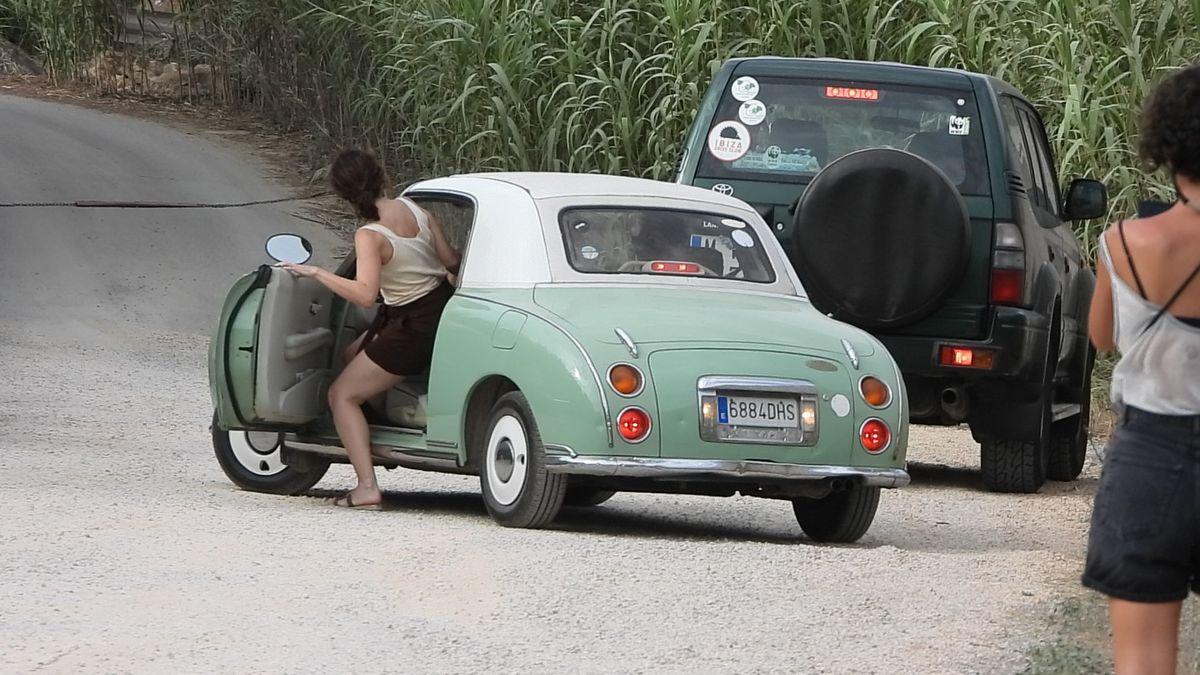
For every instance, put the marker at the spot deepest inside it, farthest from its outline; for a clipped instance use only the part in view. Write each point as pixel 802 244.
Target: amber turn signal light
pixel 625 379
pixel 875 392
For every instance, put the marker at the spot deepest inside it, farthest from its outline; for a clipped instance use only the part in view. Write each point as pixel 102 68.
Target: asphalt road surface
pixel 124 548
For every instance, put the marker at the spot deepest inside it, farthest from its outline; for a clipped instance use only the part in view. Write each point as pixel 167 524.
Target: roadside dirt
pixel 124 548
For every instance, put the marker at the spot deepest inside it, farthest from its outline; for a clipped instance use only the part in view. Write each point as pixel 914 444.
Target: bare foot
pixel 360 497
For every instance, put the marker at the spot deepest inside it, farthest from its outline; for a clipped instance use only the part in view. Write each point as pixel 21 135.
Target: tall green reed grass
pixel 440 86
pixel 64 33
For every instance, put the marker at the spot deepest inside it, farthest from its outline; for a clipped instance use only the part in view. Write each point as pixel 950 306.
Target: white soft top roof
pixel 546 185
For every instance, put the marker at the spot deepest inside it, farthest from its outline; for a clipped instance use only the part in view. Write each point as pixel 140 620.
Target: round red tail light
pixel 633 424
pixel 875 436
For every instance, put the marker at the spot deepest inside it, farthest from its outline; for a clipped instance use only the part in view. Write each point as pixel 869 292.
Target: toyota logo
pixel 723 188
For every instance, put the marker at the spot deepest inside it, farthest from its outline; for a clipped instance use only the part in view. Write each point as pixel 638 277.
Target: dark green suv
pixel 922 205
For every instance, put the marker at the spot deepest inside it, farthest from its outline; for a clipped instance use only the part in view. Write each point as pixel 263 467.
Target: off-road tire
pixel 537 494
pixel 288 481
pixel 1069 437
pixel 1013 465
pixel 840 517
pixel 578 495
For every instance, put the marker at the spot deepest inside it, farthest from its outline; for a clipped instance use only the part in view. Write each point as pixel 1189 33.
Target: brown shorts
pixel 400 340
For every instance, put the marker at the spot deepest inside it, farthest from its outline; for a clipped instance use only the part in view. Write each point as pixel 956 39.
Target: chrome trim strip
pixel 767 384
pixel 441 444
pixel 655 467
pixel 559 449
pixel 641 379
pixel 850 352
pixel 627 341
pixel 608 421
pixel 886 386
pixel 446 463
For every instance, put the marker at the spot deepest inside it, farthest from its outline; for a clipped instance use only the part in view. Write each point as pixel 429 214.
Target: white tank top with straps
pixel 1158 369
pixel 414 269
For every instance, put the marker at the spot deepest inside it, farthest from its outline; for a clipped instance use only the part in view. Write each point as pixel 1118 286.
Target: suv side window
pixel 1042 158
pixel 1016 139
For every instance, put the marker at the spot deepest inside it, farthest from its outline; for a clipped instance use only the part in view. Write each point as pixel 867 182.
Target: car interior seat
pixel 707 257
pixel 944 151
pixel 792 135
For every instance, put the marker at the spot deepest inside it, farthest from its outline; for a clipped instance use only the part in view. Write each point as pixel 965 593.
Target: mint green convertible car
pixel 607 334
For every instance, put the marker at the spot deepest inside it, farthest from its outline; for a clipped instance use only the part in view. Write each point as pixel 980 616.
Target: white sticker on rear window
pixel 752 112
pixel 742 238
pixel 960 126
pixel 729 140
pixel 589 252
pixel 744 88
pixel 732 222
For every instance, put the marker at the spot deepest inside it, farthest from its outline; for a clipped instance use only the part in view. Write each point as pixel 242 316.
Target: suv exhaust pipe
pixel 954 403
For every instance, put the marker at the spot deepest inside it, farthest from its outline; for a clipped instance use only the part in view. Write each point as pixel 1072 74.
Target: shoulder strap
pixel 380 229
pixel 1165 307
pixel 1129 257
pixel 417 211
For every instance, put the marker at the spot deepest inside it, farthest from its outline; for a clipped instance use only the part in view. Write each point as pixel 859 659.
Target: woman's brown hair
pixel 358 177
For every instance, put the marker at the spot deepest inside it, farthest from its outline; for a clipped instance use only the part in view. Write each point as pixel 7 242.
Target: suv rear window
pixel 608 240
pixel 783 129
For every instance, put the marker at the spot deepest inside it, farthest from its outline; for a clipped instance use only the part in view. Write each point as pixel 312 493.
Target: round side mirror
pixel 289 248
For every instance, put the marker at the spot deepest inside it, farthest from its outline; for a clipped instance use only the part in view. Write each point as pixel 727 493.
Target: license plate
pixel 755 411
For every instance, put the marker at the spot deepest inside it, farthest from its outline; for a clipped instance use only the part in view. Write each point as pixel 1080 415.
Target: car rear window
pixel 783 129
pixel 663 242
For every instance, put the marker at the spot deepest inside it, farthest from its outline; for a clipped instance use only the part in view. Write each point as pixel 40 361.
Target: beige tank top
pixel 414 268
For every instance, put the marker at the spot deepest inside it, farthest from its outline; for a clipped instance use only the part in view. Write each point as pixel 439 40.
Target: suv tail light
pixel 1008 265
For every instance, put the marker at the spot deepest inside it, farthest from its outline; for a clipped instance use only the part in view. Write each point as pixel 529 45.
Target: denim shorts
pixel 1144 544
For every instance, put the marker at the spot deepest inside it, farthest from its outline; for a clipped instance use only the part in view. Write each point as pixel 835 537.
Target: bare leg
pixel 379 401
pixel 360 380
pixel 1145 637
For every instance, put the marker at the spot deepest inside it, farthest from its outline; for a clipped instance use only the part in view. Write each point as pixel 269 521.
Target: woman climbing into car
pixel 402 253
pixel 1144 547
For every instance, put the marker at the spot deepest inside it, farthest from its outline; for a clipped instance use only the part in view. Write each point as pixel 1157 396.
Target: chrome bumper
pixel 708 469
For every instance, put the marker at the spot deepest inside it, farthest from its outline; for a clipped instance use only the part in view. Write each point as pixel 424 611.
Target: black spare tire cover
pixel 881 238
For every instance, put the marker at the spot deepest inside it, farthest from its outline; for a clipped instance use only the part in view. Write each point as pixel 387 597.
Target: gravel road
pixel 124 548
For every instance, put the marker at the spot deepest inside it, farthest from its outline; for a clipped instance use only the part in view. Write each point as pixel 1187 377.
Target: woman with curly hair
pixel 1144 545
pixel 401 253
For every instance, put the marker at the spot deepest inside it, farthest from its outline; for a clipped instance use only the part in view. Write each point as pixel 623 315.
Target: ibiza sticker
pixel 752 112
pixel 733 222
pixel 960 126
pixel 744 88
pixel 728 141
pixel 723 189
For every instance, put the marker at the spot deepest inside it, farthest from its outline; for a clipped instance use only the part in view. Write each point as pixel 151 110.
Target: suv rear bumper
pixel 1017 336
pixel 720 470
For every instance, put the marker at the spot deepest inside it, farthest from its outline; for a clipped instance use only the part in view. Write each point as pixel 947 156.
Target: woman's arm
pixel 363 289
pixel 446 253
pixel 1100 317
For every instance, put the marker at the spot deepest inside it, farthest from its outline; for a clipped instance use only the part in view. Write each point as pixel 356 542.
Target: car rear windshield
pixel 663 242
pixel 782 129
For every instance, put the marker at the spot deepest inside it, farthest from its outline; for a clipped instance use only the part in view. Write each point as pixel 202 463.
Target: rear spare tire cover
pixel 881 238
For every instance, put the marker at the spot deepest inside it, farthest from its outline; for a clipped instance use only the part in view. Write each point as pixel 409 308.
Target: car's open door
pixel 270 361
